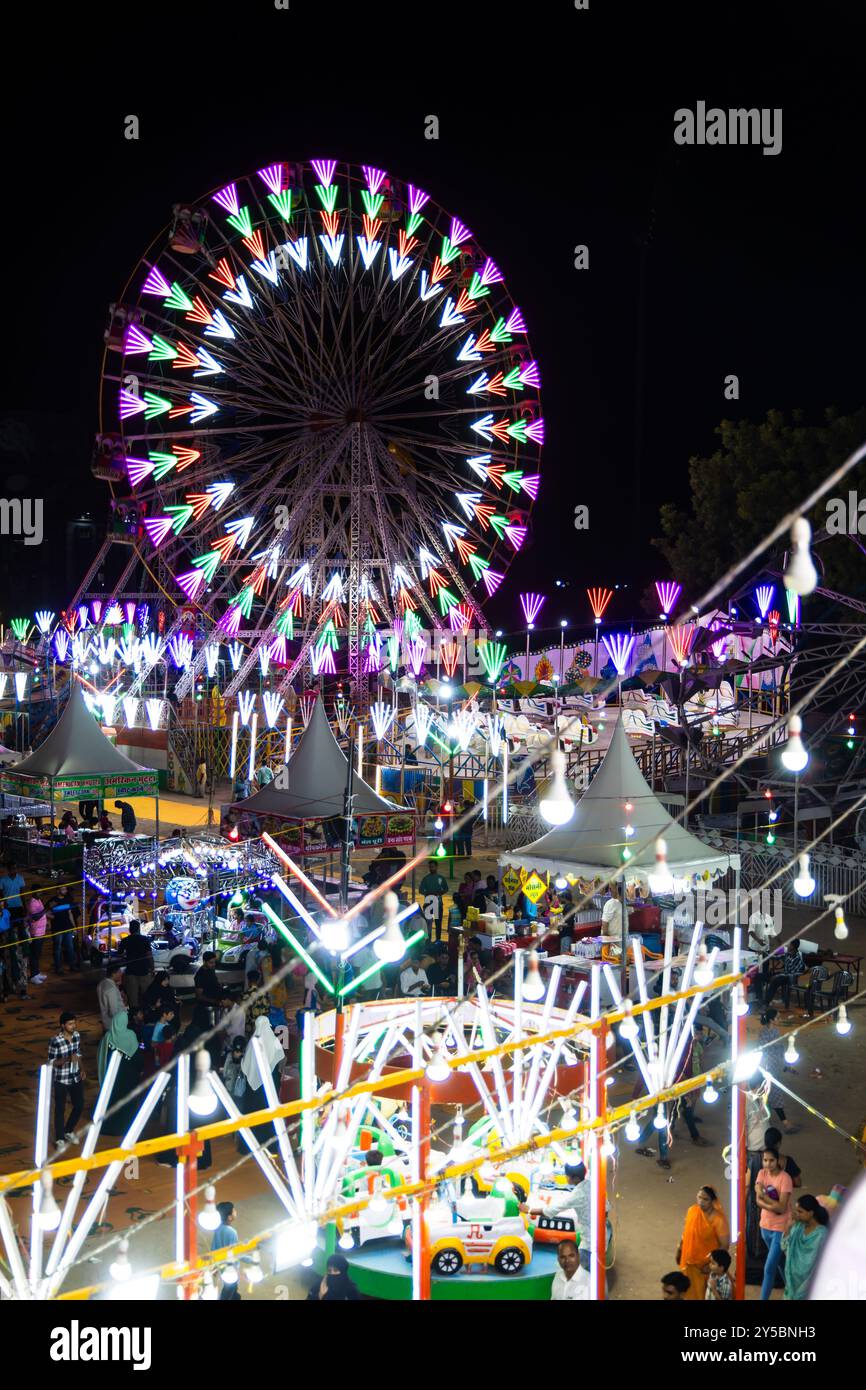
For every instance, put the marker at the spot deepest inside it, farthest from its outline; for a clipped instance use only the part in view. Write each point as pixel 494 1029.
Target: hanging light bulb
pixel 390 946
pixel 253 1268
pixel 632 1130
pixel 120 1269
pixel 569 1117
pixel 229 1271
pixel 335 934
pixel 209 1292
pixel 791 1053
pixel 801 576
pixel 202 1100
pixel 703 975
pixel 794 755
pixel 438 824
pixel 437 1068
pixel 628 831
pixel 395 1225
pixel 843 1023
pixel 346 1241
pixel 840 931
pixel 659 1120
pixel 608 1147
pixel 556 806
pixel 628 1029
pixel 661 880
pixel 377 1205
pixel 747 1064
pixel 741 1003
pixel 533 985
pixel 711 1095
pixel 48 1216
pixel 804 884
pixel 210 1218
pixel 629 807
pixel 560 882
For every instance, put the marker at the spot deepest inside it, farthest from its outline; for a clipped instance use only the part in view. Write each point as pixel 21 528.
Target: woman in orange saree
pixel 704 1231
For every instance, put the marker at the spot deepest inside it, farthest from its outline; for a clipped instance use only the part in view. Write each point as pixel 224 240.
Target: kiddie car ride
pixel 478 1230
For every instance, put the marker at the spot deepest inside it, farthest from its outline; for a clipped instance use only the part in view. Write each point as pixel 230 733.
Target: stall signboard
pixel 511 881
pixel 85 787
pixel 534 888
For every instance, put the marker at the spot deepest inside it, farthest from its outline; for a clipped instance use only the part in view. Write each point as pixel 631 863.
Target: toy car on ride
pixel 488 1231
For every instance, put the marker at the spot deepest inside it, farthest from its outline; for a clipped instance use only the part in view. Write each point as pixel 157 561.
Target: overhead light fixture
pixel 556 806
pixel 533 985
pixel 202 1100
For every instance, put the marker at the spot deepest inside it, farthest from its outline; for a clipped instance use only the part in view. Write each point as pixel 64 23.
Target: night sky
pixel 753 265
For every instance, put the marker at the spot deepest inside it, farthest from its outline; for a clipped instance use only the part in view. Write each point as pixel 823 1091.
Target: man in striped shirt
pixel 793 966
pixel 64 1054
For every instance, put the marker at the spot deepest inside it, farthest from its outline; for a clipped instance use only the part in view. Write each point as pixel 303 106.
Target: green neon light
pixel 208 563
pixel 296 945
pixel 20 626
pixel 162 350
pixel 372 202
pixel 513 479
pixel 512 380
pixel 371 969
pixel 286 624
pixel 441 852
pixel 493 656
pixel 499 333
pixel 446 600
pixel 499 524
pixel 412 623
pixel 327 196
pixel 242 223
pixel 283 203
pixel 181 514
pixel 178 299
pixel 328 636
pixel 477 565
pixel 156 405
pixel 448 252
pixel 517 430
pixel 394 652
pixel 413 222
pixel 244 600
pixel 476 289
pixel 164 464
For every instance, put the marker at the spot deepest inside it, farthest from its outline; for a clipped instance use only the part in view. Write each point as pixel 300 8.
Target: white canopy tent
pixel 591 844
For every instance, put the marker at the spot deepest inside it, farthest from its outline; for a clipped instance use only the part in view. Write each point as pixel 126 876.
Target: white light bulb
pixel 533 985
pixel 335 934
pixel 843 1023
pixel 438 823
pixel 608 1147
pixel 569 1118
pixel 437 1068
pixel 794 755
pixel 253 1269
pixel 747 1064
pixel 210 1292
pixel 661 879
pixel 202 1100
pixel 804 884
pixel 209 1219
pixel 791 1053
pixel 711 1095
pixel 395 1225
pixel 390 946
pixel 741 1003
pixel 560 882
pixel 377 1204
pixel 346 1241
pixel 840 931
pixel 229 1271
pixel 801 576
pixel 703 975
pixel 120 1269
pixel 48 1217
pixel 295 1242
pixel 557 807
pixel 628 1029
pixel 659 1121
pixel 628 831
pixel 632 1130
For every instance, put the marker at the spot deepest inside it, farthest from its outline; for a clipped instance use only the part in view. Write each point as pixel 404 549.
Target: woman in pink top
pixel 37 925
pixel 773 1188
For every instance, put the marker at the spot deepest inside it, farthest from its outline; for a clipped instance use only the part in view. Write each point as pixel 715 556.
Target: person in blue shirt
pixel 225 1233
pixel 11 885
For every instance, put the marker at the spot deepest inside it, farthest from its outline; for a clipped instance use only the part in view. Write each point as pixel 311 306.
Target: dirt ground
pixel 648 1203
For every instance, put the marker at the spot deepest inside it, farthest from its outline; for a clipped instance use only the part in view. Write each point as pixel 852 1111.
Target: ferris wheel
pixel 324 410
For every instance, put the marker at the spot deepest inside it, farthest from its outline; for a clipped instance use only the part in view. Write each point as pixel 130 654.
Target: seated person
pixel 413 979
pixel 441 975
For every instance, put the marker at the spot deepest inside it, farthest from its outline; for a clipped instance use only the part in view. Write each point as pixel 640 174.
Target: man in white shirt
pixel 570 1281
pixel 108 996
pixel 413 979
pixel 611 916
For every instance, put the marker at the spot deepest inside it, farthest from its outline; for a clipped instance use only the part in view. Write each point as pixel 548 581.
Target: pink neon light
pixel 272 177
pixel 191 582
pixel 514 323
pixel 530 484
pixel 459 232
pixel 492 580
pixel 230 621
pixel 157 527
pixel 668 591
pixel 130 404
pixel 417 199
pixel 138 469
pixel 375 178
pixel 228 199
pixel 490 273
pixel 156 283
pixel 324 170
pixel 530 374
pixel 516 534
pixel 135 341
pixel 536 431
pixel 532 605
